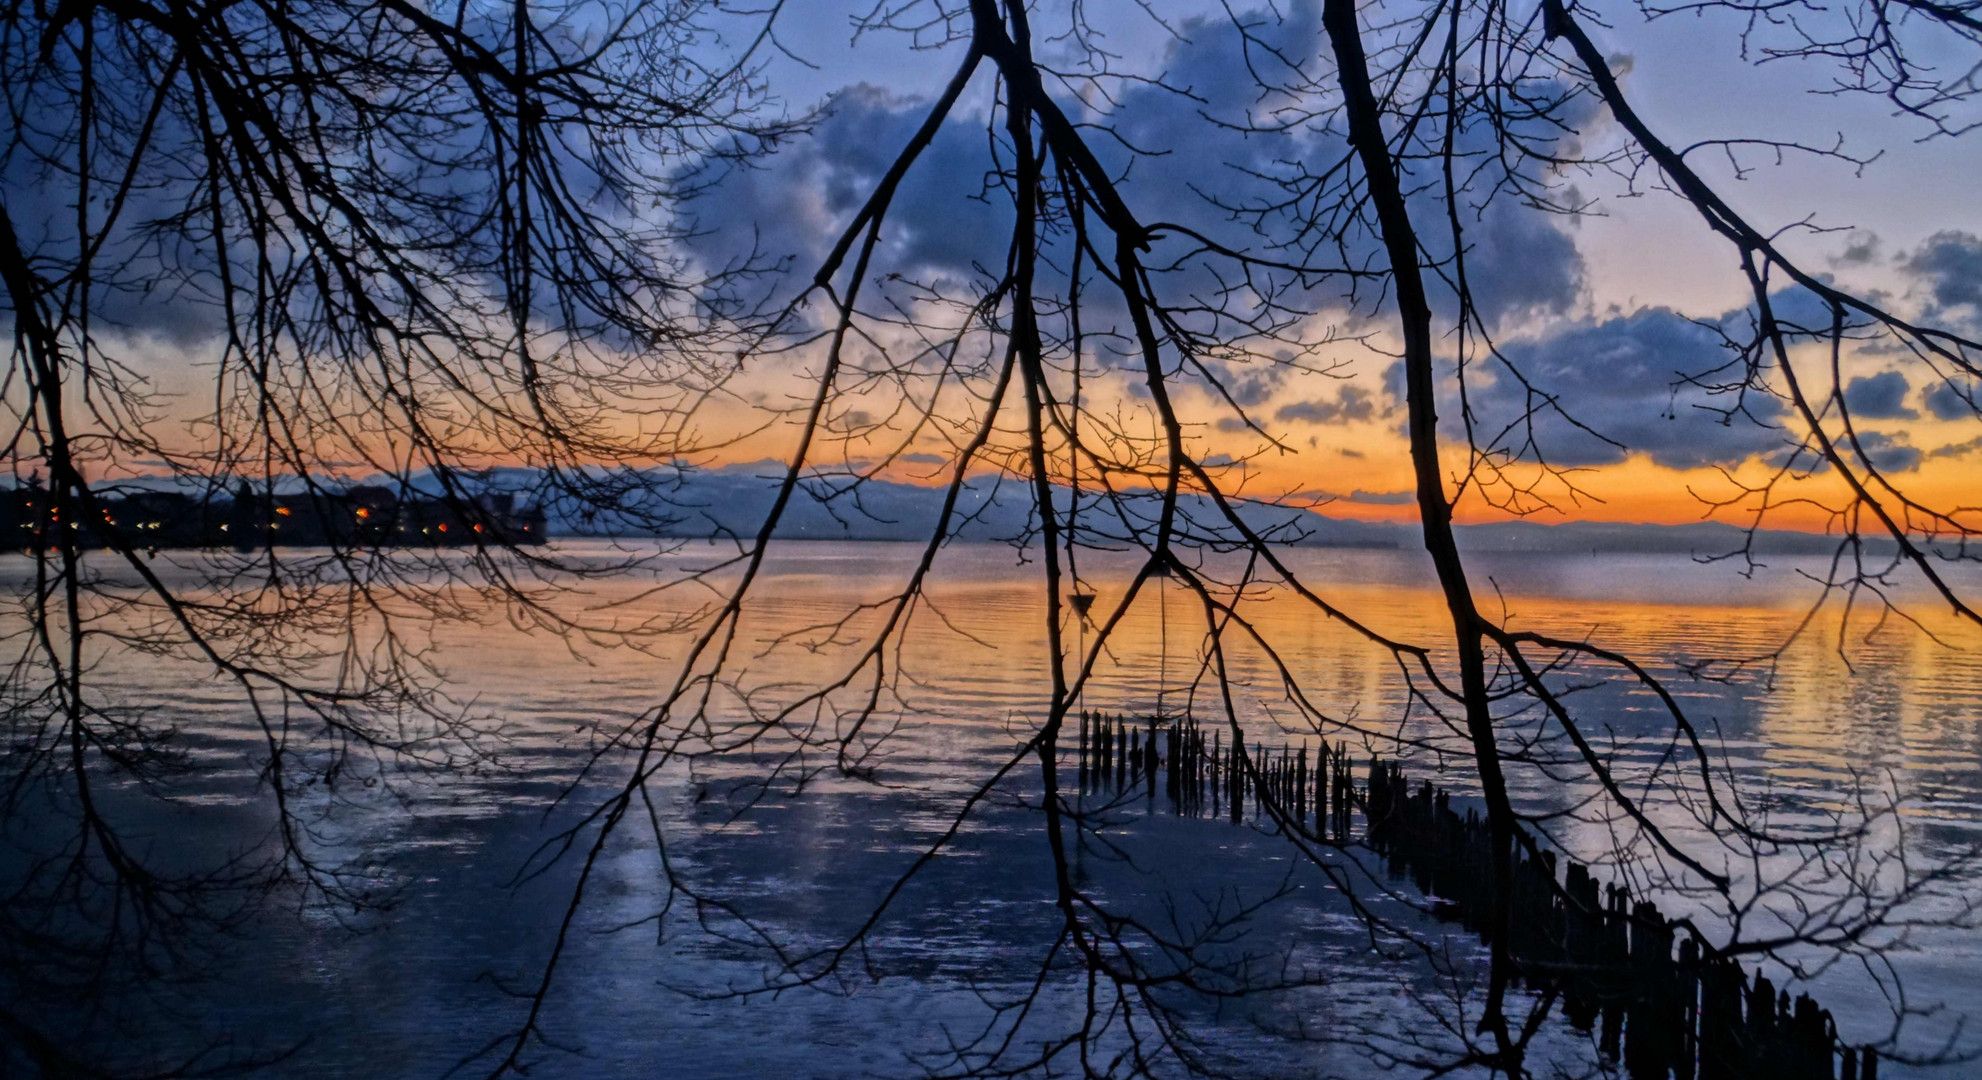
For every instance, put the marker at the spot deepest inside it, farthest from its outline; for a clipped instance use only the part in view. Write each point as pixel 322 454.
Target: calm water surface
pixel 414 992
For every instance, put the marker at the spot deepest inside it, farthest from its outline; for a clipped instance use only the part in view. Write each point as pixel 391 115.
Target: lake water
pixel 416 990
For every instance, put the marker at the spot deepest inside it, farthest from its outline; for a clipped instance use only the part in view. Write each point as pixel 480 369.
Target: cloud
pixel 793 204
pixel 1860 249
pixel 1187 141
pixel 1626 378
pixel 149 288
pixel 163 275
pixel 1382 498
pixel 1631 380
pixel 1951 401
pixel 1891 453
pixel 1960 449
pixel 1353 404
pixel 1517 262
pixel 1250 386
pixel 1950 265
pixel 1879 397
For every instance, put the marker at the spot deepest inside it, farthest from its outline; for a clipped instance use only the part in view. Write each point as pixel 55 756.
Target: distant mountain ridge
pixel 732 500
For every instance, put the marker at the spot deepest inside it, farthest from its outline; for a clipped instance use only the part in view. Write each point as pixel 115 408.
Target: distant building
pixel 357 517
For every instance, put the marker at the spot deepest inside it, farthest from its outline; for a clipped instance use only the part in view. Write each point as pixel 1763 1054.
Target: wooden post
pixel 1300 810
pixel 1197 769
pixel 1122 732
pixel 1083 747
pixel 1217 766
pixel 1258 778
pixel 1689 1001
pixel 1233 791
pixel 1321 789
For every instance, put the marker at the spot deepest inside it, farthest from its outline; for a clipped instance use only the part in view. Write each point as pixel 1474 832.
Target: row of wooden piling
pixel 1201 775
pixel 1663 1004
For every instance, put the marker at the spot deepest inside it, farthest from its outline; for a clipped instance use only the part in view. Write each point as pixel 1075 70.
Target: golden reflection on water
pixel 971 657
pixel 965 676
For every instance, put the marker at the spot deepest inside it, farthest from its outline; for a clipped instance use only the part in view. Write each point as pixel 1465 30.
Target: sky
pixel 1607 310
pixel 1602 308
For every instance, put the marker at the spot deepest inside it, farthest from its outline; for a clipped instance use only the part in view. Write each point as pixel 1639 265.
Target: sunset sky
pixel 1599 306
pixel 1601 309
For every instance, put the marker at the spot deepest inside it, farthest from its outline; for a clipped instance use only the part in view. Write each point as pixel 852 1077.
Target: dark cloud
pixel 1382 498
pixel 1879 397
pixel 420 176
pixel 1186 143
pixel 1950 264
pixel 792 205
pixel 1860 249
pixel 1950 401
pixel 1960 449
pixel 1891 453
pixel 149 286
pixel 1251 386
pixel 1801 313
pixel 1517 262
pixel 1352 404
pixel 1626 378
pixel 1632 380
